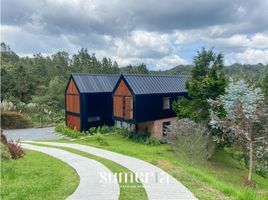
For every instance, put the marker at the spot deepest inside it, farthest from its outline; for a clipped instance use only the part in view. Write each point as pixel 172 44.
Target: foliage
pixel 244 106
pixel 5 154
pixel 68 132
pixel 152 141
pixel 100 138
pixel 141 137
pixel 207 81
pixel 14 148
pixel 37 177
pixel 43 79
pixel 42 116
pixel 139 69
pixel 191 141
pixel 13 120
pixel 7 106
pixel 250 73
pixel 4 148
pixel 264 84
pixel 105 130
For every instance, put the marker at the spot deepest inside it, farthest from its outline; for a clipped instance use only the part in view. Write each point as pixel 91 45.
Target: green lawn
pixel 37 176
pixel 128 190
pixel 220 178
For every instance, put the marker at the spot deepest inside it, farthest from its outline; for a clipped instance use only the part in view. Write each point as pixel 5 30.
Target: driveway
pixel 159 185
pixel 32 134
pixel 91 186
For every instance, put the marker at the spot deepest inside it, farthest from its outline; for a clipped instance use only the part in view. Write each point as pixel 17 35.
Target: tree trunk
pixel 250 161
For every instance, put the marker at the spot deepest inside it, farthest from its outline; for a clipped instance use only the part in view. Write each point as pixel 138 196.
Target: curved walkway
pixel 158 184
pixel 32 134
pixel 90 185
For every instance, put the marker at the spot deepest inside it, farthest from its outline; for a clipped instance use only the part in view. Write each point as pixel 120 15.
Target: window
pixel 166 103
pixel 165 128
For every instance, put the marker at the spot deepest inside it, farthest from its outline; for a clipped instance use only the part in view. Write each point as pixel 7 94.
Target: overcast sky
pixel 160 33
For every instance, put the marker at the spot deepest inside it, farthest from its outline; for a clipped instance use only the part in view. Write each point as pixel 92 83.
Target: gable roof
pixel 155 84
pixel 95 83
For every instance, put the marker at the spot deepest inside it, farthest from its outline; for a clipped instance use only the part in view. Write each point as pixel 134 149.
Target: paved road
pixel 158 184
pixel 32 134
pixel 91 185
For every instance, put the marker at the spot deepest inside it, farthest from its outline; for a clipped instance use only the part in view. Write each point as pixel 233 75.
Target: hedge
pixel 11 120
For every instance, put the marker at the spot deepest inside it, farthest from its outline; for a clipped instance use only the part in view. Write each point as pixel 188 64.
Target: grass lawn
pixel 128 191
pixel 220 178
pixel 37 176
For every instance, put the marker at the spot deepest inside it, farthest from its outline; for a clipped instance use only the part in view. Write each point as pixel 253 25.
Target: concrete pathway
pixel 91 184
pixel 158 184
pixel 32 134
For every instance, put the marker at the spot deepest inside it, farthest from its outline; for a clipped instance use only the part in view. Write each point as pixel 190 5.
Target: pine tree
pixel 207 82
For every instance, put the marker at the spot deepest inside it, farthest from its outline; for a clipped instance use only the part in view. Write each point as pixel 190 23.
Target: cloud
pixel 249 56
pixel 160 34
pixel 258 40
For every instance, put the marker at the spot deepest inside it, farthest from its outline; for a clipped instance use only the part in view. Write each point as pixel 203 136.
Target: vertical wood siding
pixel 72 105
pixel 123 102
pixel 72 98
pixel 122 89
pixel 73 122
pixel 118 106
pixel 128 108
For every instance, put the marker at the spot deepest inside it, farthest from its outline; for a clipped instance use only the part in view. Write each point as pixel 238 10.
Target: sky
pixel 159 33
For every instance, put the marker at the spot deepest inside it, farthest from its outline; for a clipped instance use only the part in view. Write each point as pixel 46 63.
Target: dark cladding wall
pixel 96 110
pixel 149 107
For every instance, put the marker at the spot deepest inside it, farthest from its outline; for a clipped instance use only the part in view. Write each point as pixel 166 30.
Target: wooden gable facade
pixel 141 98
pixel 123 102
pixel 72 104
pixel 88 101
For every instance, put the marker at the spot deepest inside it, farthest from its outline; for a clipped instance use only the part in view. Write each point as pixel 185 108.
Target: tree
pixel 264 84
pixel 244 106
pixel 23 86
pixel 139 69
pixel 207 82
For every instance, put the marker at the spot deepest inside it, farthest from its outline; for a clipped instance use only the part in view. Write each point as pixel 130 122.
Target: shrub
pixel 152 141
pixel 100 138
pixel 10 148
pixel 11 120
pixel 15 149
pixel 138 136
pixel 104 129
pixel 142 137
pixel 92 130
pixel 7 106
pixel 191 141
pixel 68 132
pixel 4 151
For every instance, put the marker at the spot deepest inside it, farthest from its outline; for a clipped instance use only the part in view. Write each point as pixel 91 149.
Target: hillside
pixel 249 72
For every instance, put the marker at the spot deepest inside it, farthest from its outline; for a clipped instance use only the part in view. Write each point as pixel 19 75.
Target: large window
pixel 166 103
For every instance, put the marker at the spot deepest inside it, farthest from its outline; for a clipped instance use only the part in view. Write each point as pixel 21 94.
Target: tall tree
pixel 207 82
pixel 139 69
pixel 23 87
pixel 264 84
pixel 244 107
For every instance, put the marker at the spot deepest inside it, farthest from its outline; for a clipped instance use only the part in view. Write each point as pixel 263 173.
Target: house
pixel 143 103
pixel 88 100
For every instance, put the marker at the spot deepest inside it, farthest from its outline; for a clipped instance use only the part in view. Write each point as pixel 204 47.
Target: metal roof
pixel 95 83
pixel 155 84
